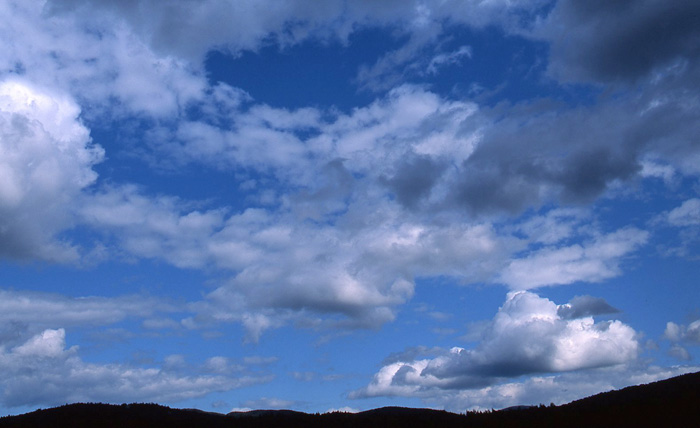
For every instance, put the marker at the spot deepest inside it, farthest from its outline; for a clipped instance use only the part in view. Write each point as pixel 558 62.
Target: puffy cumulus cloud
pixel 527 336
pixel 42 371
pixel 594 261
pixel 46 162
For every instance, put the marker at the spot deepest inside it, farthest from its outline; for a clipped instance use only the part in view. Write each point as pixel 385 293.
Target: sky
pixel 343 205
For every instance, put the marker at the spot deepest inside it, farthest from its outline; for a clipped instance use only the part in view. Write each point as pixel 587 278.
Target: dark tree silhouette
pixel 669 403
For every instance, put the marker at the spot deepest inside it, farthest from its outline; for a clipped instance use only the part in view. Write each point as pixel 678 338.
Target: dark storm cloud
pixel 624 40
pixel 583 306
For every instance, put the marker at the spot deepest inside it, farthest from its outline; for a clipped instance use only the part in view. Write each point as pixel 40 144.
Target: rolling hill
pixel 673 402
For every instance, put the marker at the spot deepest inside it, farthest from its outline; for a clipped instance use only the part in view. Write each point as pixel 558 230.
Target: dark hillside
pixel 669 403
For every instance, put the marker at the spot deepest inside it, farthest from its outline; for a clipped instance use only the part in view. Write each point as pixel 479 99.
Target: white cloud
pixel 346 238
pixel 265 403
pixel 36 311
pixel 97 59
pixel 345 409
pixel 190 29
pixel 651 168
pixel 352 272
pixel 443 59
pixel 50 343
pixel 47 159
pixel 361 275
pixel 554 226
pixel 527 336
pixel 153 227
pixel 297 146
pixel 43 372
pixel 594 261
pixel 688 214
pixel 681 333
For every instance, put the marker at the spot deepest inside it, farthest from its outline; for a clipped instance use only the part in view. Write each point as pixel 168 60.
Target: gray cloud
pixel 414 178
pixel 681 333
pixel 585 306
pixel 621 41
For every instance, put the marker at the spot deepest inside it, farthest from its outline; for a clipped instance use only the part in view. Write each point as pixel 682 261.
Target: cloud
pixel 152 227
pixel 264 403
pixel 414 179
pixel 34 311
pixel 349 208
pixel 688 214
pixel 621 41
pixel 42 371
pixel 594 261
pixel 97 59
pixel 190 29
pixel 585 306
pixel 558 389
pixel 47 160
pixel 345 409
pixel 677 351
pixel 554 226
pixel 527 336
pixel 390 68
pixel 361 275
pixel 443 59
pixel 685 218
pixel 352 272
pixel 682 333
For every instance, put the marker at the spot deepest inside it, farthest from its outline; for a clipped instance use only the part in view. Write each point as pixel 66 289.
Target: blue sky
pixel 346 205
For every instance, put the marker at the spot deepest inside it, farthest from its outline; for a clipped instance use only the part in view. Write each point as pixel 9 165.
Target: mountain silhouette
pixel 673 402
